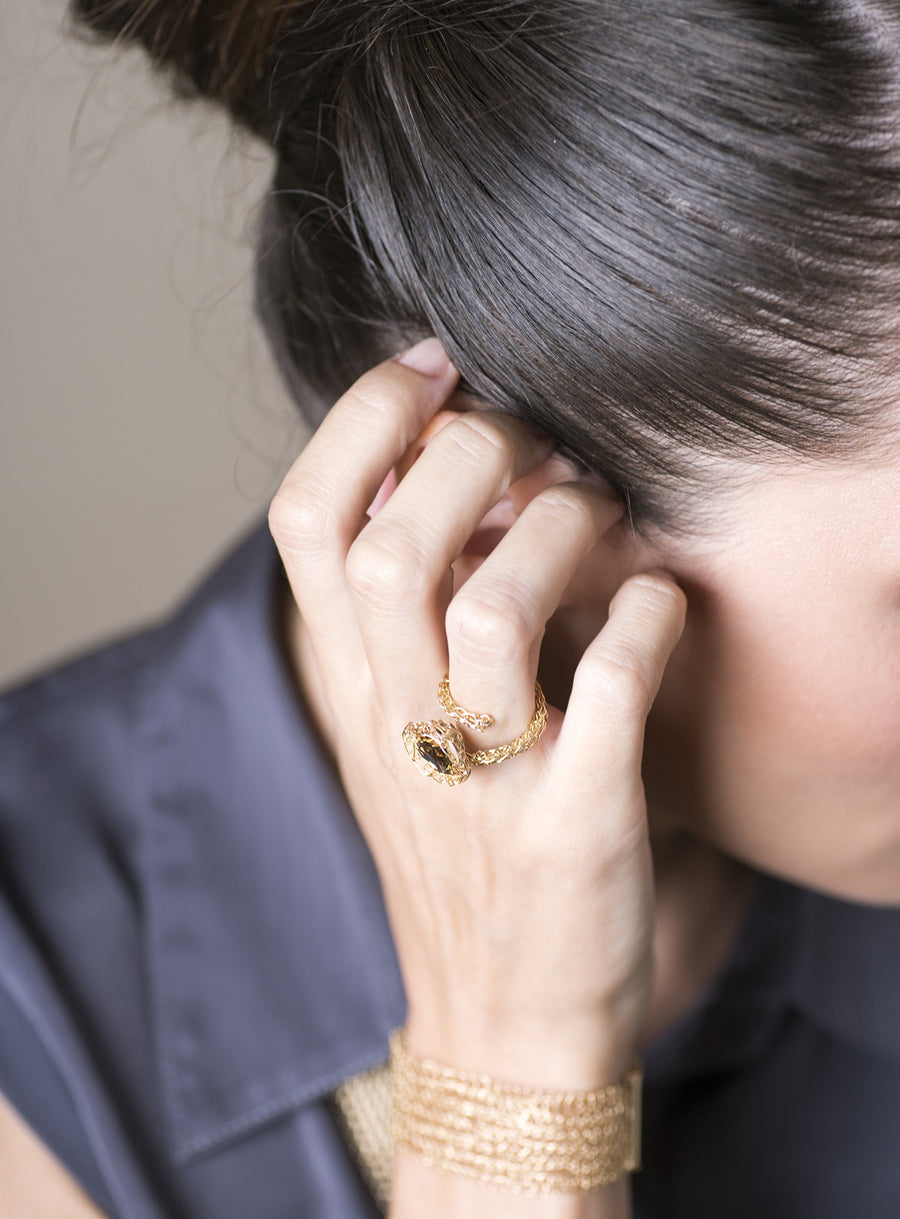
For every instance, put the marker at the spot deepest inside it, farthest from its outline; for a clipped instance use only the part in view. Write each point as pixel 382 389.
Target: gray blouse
pixel 194 953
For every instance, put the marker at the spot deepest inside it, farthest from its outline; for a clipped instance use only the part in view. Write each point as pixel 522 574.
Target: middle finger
pixel 496 622
pixel 399 568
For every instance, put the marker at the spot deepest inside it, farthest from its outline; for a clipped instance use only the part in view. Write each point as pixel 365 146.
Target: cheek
pixel 788 710
pixel 820 689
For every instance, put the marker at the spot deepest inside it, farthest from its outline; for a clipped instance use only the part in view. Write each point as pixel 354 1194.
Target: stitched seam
pixel 321 1086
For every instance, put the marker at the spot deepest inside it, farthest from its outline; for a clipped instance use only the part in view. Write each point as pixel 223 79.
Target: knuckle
pixel 299 523
pixel 568 505
pixel 385 570
pixel 481 436
pixel 656 593
pixel 618 685
pixel 480 627
pixel 370 401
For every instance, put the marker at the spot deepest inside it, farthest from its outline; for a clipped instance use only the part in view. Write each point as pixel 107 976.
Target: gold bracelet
pixel 517 1138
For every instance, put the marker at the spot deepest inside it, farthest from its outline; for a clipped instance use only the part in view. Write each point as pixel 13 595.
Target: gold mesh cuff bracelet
pixel 516 1138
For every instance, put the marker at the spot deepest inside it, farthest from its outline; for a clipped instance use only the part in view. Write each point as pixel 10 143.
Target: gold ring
pixel 439 749
pixel 471 719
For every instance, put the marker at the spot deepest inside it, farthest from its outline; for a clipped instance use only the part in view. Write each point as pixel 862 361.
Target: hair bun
pixel 218 49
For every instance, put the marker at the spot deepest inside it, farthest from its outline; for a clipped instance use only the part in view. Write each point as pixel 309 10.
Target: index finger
pixel 321 503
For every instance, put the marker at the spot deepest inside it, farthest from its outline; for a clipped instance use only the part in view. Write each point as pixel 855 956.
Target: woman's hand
pixel 522 899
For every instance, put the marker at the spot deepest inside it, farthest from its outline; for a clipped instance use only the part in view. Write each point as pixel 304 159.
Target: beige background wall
pixel 142 424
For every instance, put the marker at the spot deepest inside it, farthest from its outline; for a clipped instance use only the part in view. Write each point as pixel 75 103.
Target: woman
pixel 657 246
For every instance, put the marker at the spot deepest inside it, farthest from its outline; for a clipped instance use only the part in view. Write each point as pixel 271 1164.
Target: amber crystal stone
pixel 435 755
pixel 438 749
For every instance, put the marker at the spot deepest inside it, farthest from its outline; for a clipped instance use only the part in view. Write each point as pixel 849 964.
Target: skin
pixel 775 735
pixel 787 682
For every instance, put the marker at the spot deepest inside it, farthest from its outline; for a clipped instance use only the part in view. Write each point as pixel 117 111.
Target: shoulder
pixel 73 729
pixel 77 735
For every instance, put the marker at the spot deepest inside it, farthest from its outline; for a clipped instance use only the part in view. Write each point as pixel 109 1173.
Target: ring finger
pixel 496 621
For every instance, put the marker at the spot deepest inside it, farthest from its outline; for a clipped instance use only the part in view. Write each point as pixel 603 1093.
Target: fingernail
pixel 427 357
pixel 385 491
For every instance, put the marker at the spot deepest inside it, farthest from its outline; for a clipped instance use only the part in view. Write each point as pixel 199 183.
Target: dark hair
pixel 658 230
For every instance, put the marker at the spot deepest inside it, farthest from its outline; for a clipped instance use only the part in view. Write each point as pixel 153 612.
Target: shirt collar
pixel 848 983
pixel 835 963
pixel 271 964
pixel 738 1016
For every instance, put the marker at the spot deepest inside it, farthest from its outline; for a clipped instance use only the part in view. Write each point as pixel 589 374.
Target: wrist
pixel 566 1056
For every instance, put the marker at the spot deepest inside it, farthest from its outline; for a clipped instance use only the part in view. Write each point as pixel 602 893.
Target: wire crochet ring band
pixel 439 749
pixel 470 718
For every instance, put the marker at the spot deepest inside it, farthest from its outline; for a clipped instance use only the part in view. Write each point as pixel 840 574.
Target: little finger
pixel 600 745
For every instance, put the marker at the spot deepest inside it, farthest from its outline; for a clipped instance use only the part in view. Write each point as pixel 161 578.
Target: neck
pixel 702 899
